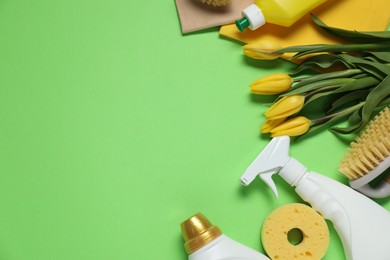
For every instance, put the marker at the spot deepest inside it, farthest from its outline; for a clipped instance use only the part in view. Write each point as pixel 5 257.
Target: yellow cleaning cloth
pixel 359 15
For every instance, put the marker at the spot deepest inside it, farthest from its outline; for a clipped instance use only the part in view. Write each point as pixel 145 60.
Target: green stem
pixel 330 75
pixel 359 76
pixel 347 111
pixel 316 48
pixel 299 79
pixel 310 94
pixel 335 47
pixel 301 89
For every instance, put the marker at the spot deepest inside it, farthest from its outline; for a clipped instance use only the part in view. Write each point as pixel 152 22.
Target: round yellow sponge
pixel 295 217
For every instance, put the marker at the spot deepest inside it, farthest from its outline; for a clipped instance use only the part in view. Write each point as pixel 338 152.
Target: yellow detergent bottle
pixel 280 12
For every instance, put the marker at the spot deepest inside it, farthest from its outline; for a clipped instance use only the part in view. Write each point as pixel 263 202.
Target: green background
pixel 115 128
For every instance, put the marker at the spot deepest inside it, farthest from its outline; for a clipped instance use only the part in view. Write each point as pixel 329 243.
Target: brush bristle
pixel 370 149
pixel 216 2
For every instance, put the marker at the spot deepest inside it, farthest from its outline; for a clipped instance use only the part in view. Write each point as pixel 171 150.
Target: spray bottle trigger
pixel 273 158
pixel 267 178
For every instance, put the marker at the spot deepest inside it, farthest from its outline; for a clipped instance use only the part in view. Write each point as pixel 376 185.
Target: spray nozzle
pixel 273 157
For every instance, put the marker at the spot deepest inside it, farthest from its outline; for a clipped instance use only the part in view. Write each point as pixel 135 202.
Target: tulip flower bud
pixel 272 84
pixel 292 127
pixel 271 124
pixel 263 50
pixel 285 107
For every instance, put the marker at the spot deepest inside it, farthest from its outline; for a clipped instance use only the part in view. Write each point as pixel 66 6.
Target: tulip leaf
pixel 372 71
pixel 359 95
pixel 385 102
pixel 327 124
pixel 375 68
pixel 319 48
pixel 361 75
pixel 354 35
pixel 298 89
pixel 381 55
pixel 371 58
pixel 301 48
pixel 354 122
pixel 376 56
pixel 376 96
pixel 352 111
pixel 317 96
pixel 378 70
pixel 355 118
pixel 330 75
pixel 323 61
pixel 358 84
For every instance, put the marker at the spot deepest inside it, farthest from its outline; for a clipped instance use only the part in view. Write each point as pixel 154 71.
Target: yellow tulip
pixel 263 50
pixel 292 127
pixel 272 84
pixel 285 107
pixel 271 124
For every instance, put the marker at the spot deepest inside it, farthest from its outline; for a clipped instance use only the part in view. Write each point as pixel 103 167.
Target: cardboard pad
pixel 195 15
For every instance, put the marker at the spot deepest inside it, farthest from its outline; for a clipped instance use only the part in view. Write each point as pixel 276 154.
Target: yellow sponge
pixel 299 217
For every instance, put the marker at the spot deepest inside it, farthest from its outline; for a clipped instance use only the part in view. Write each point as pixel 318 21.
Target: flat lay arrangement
pixel 346 80
pixel 195 129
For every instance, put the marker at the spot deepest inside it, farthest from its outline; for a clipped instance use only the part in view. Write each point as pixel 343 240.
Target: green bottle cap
pixel 242 23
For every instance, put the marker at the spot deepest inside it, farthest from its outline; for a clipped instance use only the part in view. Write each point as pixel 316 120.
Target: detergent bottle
pixel 205 241
pixel 280 12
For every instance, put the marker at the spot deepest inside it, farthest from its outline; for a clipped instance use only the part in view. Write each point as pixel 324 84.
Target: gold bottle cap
pixel 198 231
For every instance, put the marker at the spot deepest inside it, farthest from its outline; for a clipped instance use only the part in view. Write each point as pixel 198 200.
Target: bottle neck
pixel 293 172
pixel 252 18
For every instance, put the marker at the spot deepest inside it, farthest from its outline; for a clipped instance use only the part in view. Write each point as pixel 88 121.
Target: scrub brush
pixel 216 2
pixel 369 156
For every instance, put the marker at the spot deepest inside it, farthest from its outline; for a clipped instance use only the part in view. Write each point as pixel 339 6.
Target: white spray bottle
pixel 362 224
pixel 204 241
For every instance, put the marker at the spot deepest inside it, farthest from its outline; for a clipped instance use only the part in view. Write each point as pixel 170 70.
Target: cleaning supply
pixel 195 16
pixel 369 157
pixel 362 15
pixel 280 12
pixel 307 233
pixel 205 241
pixel 357 219
pixel 216 2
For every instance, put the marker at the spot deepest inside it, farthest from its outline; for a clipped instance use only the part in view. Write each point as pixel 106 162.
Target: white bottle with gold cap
pixel 204 241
